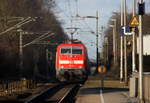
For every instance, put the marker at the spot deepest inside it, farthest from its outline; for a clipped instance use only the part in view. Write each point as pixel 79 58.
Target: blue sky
pixel 67 9
pixel 89 7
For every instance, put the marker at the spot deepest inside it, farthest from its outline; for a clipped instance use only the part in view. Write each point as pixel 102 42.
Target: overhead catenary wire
pixel 69 8
pixel 46 35
pixel 77 8
pixel 18 25
pixel 88 26
pixel 83 23
pixel 64 12
pixel 71 18
pixel 74 18
pixel 69 15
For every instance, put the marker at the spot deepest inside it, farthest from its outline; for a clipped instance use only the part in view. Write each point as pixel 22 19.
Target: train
pixel 72 61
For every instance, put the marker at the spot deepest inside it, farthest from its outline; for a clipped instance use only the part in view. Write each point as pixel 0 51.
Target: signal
pixel 141 8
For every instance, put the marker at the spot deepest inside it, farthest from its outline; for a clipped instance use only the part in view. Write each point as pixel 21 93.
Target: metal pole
pixel 106 39
pixel 140 58
pixel 71 31
pixel 121 45
pixel 71 36
pixel 21 52
pixel 107 51
pixel 114 42
pixel 133 42
pixel 97 39
pixel 114 45
pixel 125 47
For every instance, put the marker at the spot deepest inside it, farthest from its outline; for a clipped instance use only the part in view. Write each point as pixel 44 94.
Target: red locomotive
pixel 71 61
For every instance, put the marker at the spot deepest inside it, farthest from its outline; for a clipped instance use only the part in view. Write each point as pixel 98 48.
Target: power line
pixel 69 7
pixel 77 8
pixel 62 11
pixel 71 18
pixel 88 26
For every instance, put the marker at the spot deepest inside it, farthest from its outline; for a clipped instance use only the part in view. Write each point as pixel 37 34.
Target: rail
pixel 48 92
pixel 69 96
pixel 62 91
pixel 12 87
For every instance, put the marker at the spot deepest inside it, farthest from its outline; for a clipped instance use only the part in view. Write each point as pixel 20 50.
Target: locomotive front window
pixel 76 50
pixel 66 50
pixel 71 50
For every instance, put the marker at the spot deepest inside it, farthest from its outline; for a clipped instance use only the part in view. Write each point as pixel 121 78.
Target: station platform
pixel 104 91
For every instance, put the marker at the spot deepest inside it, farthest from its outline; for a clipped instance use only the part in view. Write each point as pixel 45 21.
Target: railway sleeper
pixel 65 95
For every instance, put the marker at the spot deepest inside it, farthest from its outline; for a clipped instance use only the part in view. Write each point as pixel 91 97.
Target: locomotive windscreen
pixel 66 50
pixel 71 50
pixel 76 50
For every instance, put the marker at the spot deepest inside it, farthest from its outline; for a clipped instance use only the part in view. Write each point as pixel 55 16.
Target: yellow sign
pixel 101 69
pixel 134 22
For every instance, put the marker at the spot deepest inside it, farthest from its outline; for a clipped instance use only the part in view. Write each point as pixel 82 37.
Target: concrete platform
pixel 104 91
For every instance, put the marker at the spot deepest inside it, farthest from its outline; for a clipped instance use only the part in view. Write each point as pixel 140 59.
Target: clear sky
pixel 68 9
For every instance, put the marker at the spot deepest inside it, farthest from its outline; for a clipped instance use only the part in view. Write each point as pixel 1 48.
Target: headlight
pixel 80 66
pixel 62 67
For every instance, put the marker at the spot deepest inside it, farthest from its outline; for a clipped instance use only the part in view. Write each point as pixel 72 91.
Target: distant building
pixel 146 45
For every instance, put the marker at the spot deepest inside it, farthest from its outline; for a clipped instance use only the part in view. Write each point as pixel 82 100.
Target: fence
pixel 8 87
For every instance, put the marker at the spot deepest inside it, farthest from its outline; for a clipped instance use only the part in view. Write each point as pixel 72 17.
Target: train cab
pixel 72 59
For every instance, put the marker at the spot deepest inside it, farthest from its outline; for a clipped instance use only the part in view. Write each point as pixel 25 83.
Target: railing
pixel 15 87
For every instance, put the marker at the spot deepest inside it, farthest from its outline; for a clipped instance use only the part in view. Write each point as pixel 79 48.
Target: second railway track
pixel 64 92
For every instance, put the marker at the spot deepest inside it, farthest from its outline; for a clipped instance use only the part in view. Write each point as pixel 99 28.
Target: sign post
pixel 134 23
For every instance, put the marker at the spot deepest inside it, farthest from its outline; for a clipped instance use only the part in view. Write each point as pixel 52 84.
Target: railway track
pixel 64 95
pixel 57 93
pixel 61 93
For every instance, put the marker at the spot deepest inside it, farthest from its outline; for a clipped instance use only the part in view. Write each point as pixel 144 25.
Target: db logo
pixel 72 62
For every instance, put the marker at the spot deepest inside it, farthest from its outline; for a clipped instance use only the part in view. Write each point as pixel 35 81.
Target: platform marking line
pixel 101 96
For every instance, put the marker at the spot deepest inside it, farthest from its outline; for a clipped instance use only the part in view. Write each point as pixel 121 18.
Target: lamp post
pixel 114 40
pixel 133 40
pixel 20 51
pixel 125 43
pixel 121 45
pixel 114 43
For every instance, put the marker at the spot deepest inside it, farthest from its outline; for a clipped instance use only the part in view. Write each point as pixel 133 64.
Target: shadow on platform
pixel 86 91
